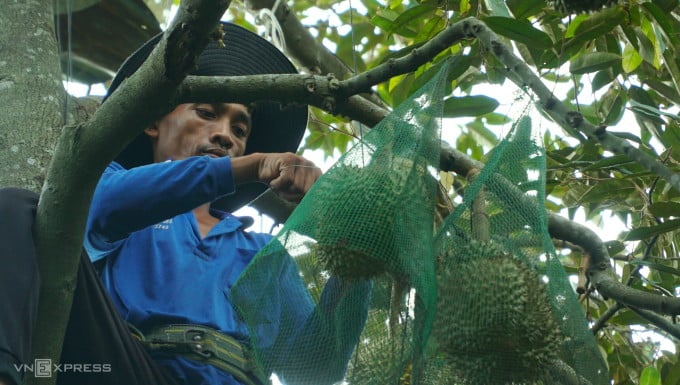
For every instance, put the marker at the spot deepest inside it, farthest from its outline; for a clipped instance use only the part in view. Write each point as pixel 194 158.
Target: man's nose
pixel 221 133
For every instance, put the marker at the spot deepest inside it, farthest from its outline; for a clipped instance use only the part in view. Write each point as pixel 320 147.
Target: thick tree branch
pixel 315 90
pixel 83 152
pixel 605 282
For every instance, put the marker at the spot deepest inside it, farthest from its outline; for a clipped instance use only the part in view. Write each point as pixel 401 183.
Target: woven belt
pixel 203 344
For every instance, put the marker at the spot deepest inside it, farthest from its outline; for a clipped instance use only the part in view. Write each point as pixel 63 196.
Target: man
pixel 169 250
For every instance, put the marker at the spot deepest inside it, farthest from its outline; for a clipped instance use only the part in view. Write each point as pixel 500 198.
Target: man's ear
pixel 152 131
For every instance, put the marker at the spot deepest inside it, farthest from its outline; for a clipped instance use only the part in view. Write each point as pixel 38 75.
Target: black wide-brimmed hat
pixel 274 128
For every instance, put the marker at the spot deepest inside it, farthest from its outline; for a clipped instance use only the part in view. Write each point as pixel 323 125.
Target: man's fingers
pixel 295 180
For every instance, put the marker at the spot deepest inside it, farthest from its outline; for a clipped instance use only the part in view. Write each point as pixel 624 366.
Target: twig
pixel 658 321
pixel 582 285
pixel 407 63
pixel 602 321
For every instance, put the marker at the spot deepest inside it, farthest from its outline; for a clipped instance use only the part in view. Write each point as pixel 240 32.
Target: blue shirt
pixel 158 268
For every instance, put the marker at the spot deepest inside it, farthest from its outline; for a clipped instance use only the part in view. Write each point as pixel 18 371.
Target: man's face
pixel 198 129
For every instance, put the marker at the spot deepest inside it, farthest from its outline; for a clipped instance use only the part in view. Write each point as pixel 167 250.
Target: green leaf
pixel 386 20
pixel 519 30
pixel 522 9
pixel 469 106
pixel 596 25
pixel 593 61
pixel 647 232
pixel 381 22
pixel 497 119
pixel 666 5
pixel 612 106
pixel 631 59
pixel 667 24
pixel 464 6
pixel 651 112
pixel 571 27
pixel 417 13
pixel 459 64
pixel 665 209
pixel 669 92
pixel 646 48
pixel 628 318
pixel 656 266
pixel 671 137
pixel 401 90
pixel 612 189
pixel 612 161
pixel 497 7
pixel 602 78
pixel 482 134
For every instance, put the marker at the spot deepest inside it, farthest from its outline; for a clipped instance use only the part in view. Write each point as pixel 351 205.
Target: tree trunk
pixel 31 92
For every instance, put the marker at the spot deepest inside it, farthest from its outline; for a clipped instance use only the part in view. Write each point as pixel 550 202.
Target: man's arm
pixel 129 200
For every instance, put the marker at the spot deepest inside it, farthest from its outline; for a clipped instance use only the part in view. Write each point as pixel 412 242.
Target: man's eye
pixel 205 114
pixel 240 131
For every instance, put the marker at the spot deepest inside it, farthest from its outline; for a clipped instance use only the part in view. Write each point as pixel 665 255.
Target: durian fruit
pixel 494 319
pixel 355 224
pixel 580 6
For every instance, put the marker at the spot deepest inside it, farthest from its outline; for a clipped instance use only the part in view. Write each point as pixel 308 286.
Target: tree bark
pixel 30 121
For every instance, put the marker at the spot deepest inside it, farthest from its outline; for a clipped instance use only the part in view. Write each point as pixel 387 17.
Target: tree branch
pixel 571 121
pixel 602 321
pixel 410 62
pixel 661 322
pixel 302 46
pixel 84 151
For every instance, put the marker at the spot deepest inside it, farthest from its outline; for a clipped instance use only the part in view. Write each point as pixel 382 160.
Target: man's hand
pixel 288 175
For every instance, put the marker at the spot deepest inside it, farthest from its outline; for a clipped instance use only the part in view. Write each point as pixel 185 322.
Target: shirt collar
pixel 231 221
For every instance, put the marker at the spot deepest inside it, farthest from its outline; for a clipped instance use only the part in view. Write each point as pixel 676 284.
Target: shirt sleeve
pixel 129 200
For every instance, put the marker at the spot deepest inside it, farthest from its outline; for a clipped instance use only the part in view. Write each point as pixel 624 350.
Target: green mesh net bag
pixel 347 288
pixel 506 312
